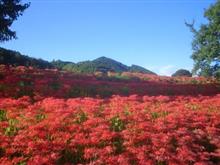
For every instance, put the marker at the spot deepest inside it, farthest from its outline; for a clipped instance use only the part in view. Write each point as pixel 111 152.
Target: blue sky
pixel 150 33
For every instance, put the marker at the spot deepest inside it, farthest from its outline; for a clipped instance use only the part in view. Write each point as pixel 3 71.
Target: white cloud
pixel 167 70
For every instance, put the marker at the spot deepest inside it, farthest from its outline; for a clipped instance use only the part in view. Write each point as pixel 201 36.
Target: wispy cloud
pixel 167 70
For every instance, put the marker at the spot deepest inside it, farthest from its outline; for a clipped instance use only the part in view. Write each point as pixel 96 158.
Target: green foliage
pixel 125 90
pixel 194 81
pixel 82 91
pixel 3 116
pixel 25 89
pixel 136 68
pixel 2 152
pixel 11 130
pixel 22 163
pixel 55 85
pixel 40 117
pixel 106 91
pixel 24 92
pixel 116 77
pixel 159 162
pixel 118 145
pixel 9 57
pixel 71 157
pixel 206 43
pixel 192 106
pixel 25 83
pixel 81 117
pixel 156 115
pixel 117 124
pixel 110 64
pixel 102 64
pixel 126 110
pixel 60 64
pixel 3 87
pixel 2 76
pixel 10 10
pixel 182 72
pixel 119 76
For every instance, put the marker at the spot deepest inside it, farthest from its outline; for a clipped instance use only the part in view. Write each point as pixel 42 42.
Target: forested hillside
pixel 14 58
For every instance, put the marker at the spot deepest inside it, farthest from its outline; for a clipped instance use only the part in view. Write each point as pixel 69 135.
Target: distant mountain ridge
pixel 99 64
pixel 14 58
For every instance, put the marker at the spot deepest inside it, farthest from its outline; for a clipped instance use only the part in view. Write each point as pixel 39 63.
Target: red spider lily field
pixel 56 117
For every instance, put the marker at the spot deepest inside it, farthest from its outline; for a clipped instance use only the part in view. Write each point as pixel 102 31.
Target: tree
pixel 182 72
pixel 10 10
pixel 206 43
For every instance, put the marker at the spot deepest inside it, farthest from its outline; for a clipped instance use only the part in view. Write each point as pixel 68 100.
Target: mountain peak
pixel 116 66
pixel 15 58
pixel 103 58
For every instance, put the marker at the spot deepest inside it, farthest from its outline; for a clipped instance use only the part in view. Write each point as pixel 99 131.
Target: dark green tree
pixel 10 10
pixel 206 43
pixel 182 72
